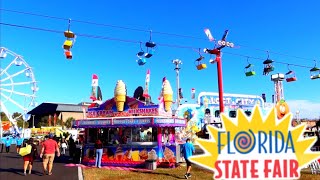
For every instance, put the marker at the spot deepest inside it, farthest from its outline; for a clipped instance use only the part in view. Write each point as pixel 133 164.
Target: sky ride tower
pixel 278 87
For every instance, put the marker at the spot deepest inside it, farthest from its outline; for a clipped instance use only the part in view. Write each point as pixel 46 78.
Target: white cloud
pixel 307 109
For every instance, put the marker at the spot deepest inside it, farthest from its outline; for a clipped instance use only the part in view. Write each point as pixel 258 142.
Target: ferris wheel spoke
pixel 18 93
pixel 16 74
pixel 18 83
pixel 13 101
pixel 5 69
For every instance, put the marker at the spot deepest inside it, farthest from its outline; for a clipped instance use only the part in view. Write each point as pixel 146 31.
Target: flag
pixel 193 93
pixel 209 35
pixel 54 119
pixel 146 89
pixel 49 120
pixel 84 112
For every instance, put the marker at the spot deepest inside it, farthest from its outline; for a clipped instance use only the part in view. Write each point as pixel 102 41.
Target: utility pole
pixel 177 62
pixel 33 121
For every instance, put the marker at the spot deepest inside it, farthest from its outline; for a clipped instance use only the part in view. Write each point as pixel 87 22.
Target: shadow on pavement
pixel 19 171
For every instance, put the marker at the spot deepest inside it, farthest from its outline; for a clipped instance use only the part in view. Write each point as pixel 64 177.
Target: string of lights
pixel 144 30
pixel 136 42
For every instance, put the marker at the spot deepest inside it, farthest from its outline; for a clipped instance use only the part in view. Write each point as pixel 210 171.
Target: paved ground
pixel 11 168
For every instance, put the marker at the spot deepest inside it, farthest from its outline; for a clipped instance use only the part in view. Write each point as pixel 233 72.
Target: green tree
pixel 43 121
pixel 4 117
pixel 19 118
pixel 69 122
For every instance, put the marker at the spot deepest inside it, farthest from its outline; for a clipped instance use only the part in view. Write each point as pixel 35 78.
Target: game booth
pixel 133 132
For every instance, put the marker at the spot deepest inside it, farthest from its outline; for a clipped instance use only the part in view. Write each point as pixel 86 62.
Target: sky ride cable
pixel 143 30
pixel 135 41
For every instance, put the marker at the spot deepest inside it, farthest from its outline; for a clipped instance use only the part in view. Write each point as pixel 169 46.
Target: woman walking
pixel 28 159
pixel 64 146
pixel 99 150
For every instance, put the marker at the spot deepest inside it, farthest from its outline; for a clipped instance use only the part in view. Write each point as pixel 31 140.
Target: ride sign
pixel 256 148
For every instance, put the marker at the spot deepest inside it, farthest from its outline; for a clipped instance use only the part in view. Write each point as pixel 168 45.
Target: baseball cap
pixel 50 135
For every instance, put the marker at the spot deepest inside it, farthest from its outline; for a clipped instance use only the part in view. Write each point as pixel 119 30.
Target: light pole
pixel 177 62
pixel 33 121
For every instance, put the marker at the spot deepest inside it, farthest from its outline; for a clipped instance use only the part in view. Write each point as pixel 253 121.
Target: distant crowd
pixel 46 149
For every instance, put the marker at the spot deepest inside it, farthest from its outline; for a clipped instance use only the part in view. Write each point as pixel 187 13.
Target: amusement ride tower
pixel 278 87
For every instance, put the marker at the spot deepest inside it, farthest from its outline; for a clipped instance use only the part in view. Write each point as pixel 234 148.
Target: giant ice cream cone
pixel 120 93
pixel 167 95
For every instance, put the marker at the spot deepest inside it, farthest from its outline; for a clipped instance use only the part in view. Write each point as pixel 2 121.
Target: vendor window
pixel 144 134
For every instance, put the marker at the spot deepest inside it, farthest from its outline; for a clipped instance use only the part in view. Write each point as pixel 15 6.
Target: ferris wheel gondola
pixel 18 85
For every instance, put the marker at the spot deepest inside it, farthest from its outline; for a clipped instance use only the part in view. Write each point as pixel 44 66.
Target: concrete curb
pixel 80 175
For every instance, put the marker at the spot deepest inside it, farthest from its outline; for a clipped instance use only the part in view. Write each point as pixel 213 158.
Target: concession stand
pixel 131 137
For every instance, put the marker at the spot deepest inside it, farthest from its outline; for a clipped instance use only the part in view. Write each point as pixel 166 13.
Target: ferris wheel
pixel 18 85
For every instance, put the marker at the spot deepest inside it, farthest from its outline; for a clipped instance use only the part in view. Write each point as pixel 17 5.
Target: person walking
pixel 99 150
pixel 19 143
pixel 188 150
pixel 28 159
pixel 64 146
pixel 48 150
pixel 8 144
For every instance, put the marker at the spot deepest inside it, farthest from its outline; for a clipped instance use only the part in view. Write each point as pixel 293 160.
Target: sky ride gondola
pixel 268 66
pixel 69 42
pixel 199 65
pixel 315 73
pixel 249 70
pixel 290 76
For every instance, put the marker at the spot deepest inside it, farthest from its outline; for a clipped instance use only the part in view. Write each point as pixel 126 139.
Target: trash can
pixel 151 164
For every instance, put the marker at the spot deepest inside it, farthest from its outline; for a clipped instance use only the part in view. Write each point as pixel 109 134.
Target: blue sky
pixel 288 28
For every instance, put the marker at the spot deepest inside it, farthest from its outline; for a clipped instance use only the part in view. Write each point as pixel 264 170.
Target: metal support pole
pixel 220 86
pixel 177 62
pixel 33 121
pixel 178 86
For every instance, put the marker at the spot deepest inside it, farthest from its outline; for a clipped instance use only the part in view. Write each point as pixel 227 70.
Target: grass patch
pixel 160 174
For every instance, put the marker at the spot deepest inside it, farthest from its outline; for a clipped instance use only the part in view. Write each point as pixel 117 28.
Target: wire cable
pixel 134 41
pixel 144 30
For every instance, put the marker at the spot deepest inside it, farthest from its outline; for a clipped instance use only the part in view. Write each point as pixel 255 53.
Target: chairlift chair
pixel 249 70
pixel 150 44
pixel 69 34
pixel 268 66
pixel 141 61
pixel 290 76
pixel 315 73
pixel 200 65
pixel 67 44
pixel 68 54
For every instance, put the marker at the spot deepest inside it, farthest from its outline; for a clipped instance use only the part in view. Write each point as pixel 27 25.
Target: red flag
pixel 49 121
pixel 54 119
pixel 193 93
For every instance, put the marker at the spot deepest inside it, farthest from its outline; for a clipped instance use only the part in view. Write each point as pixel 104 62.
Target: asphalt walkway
pixel 11 168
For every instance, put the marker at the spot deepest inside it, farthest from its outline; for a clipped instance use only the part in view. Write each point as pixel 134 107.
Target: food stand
pixel 132 133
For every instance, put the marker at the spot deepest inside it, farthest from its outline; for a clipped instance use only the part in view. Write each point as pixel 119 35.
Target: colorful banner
pixel 230 99
pixel 124 122
pixel 132 107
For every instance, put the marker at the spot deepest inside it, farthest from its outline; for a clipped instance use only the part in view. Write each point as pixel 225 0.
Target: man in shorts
pixel 49 148
pixel 19 143
pixel 187 150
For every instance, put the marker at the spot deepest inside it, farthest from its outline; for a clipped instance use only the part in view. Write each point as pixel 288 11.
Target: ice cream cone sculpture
pixel 120 93
pixel 167 95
